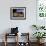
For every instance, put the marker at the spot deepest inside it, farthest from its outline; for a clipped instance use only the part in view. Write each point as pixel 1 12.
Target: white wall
pixel 24 25
pixel 5 21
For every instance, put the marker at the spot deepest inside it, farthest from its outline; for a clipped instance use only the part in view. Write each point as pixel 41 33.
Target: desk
pixel 8 34
pixel 18 43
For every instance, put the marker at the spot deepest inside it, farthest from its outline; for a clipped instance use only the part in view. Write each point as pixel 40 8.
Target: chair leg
pixel 5 43
pixel 5 40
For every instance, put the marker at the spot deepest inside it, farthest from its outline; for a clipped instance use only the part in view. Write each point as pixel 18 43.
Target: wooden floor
pixel 13 44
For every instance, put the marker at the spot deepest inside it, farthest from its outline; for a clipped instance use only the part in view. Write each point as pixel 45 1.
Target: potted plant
pixel 35 26
pixel 38 27
pixel 42 27
pixel 39 35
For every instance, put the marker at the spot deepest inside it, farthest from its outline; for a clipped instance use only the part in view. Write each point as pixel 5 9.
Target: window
pixel 41 8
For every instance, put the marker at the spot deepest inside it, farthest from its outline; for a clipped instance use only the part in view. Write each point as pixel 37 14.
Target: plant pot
pixel 40 41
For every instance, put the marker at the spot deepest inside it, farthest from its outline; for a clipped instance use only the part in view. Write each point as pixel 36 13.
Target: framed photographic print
pixel 18 13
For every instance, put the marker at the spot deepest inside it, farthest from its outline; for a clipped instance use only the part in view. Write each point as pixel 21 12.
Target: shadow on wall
pixel 7 31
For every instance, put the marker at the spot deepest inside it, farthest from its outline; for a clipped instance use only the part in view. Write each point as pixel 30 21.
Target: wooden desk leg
pixel 5 40
pixel 5 43
pixel 17 40
pixel 28 44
